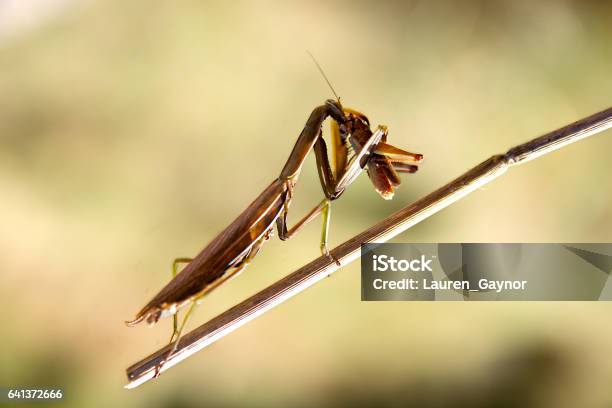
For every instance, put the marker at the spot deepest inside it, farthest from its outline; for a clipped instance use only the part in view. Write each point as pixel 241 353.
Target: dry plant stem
pixel 347 252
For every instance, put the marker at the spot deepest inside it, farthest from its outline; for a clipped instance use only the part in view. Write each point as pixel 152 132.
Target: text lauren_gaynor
pixel 415 284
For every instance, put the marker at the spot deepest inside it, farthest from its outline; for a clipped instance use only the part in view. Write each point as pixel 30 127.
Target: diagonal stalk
pixel 347 252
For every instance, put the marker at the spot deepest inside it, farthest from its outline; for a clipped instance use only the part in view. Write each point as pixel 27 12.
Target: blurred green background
pixel 132 132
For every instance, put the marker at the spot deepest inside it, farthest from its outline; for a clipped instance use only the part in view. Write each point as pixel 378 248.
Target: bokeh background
pixel 132 132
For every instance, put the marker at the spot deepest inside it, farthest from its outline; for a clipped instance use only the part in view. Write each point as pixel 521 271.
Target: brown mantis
pixel 354 147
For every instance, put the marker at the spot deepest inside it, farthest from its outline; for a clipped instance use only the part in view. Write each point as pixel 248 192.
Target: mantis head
pixel 382 160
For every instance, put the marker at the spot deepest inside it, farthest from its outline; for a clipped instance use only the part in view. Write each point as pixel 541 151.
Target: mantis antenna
pixel 324 76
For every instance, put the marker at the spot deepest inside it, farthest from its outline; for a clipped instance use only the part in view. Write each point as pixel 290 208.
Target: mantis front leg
pixel 331 190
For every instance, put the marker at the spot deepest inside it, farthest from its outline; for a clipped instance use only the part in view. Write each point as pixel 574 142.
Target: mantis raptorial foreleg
pixel 329 184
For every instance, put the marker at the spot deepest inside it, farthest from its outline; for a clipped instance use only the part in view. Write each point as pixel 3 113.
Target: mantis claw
pixel 326 253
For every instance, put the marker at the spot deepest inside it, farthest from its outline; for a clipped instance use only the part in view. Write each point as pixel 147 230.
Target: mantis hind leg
pixel 233 271
pixel 175 265
pixel 178 336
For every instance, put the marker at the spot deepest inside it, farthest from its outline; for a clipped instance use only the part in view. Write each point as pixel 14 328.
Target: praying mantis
pixel 354 147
